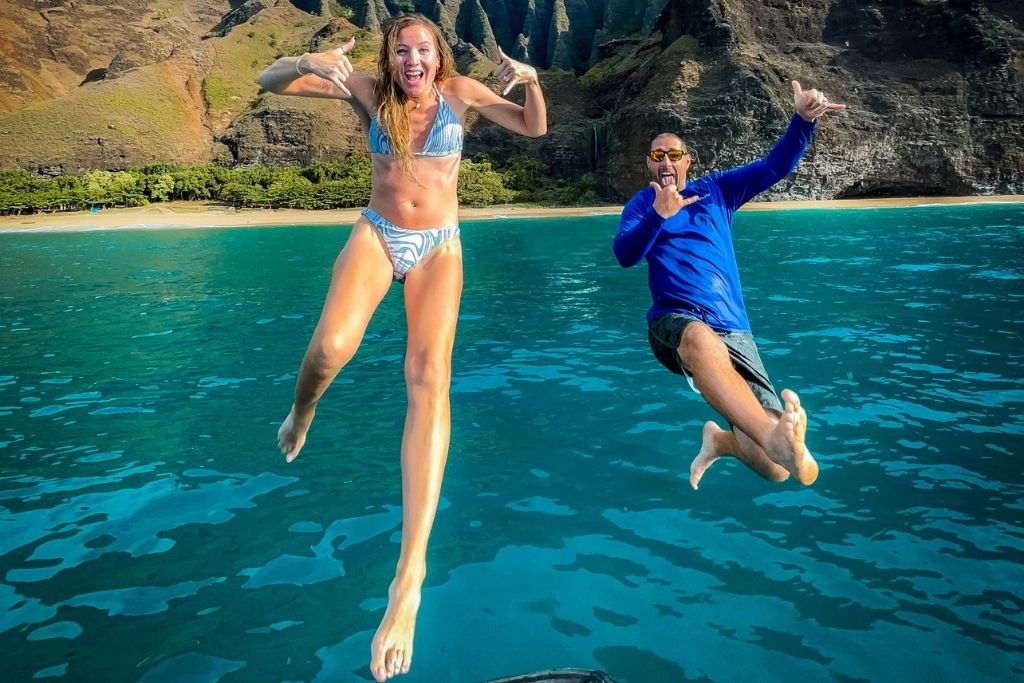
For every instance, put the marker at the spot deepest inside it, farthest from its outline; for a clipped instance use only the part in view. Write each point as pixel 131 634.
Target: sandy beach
pixel 214 215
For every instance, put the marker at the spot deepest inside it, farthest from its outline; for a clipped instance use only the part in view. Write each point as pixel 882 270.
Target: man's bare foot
pixel 710 451
pixel 786 443
pixel 391 650
pixel 291 437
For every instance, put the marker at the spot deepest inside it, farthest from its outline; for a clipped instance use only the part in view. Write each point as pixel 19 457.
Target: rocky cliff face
pixel 50 47
pixel 88 85
pixel 935 87
pixel 935 90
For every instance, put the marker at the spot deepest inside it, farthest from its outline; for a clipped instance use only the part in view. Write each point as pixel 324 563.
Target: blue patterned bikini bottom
pixel 408 247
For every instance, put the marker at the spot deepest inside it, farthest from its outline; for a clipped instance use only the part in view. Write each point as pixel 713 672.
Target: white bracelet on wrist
pixel 298 62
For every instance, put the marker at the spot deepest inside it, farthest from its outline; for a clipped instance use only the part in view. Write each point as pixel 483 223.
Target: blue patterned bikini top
pixel 445 135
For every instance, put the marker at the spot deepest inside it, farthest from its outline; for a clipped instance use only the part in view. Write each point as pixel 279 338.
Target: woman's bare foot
pixel 291 437
pixel 711 449
pixel 786 444
pixel 391 650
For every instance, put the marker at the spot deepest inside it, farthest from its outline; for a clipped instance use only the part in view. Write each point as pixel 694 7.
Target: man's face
pixel 668 172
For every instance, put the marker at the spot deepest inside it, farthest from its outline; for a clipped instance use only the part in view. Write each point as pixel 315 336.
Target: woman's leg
pixel 361 277
pixel 432 293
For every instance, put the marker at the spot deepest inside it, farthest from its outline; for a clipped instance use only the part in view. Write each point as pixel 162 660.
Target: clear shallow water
pixel 150 532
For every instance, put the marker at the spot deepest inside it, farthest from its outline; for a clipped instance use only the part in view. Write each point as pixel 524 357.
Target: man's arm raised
pixel 740 185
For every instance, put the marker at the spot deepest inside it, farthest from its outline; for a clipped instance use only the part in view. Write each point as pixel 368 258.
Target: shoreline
pixel 214 215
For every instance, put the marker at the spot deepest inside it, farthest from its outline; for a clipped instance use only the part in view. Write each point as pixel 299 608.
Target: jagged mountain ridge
pixel 935 87
pixel 560 34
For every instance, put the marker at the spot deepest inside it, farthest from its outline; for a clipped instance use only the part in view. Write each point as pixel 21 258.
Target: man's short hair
pixel 686 147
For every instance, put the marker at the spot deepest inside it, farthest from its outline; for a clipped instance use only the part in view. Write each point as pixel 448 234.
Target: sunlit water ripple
pixel 149 531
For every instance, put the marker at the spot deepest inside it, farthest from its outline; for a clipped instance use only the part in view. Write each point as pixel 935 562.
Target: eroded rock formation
pixel 935 87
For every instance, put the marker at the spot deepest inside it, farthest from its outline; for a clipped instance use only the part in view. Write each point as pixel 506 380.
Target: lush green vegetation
pixel 326 185
pixel 231 82
pixel 339 10
pixel 627 61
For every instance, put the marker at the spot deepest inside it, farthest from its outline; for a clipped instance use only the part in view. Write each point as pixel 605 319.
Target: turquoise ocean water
pixel 149 531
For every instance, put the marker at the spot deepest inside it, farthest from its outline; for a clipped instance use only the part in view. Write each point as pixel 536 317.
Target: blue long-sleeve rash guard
pixel 692 265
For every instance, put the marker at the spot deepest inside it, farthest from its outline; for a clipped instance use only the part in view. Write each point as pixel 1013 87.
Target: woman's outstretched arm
pixel 319 74
pixel 530 119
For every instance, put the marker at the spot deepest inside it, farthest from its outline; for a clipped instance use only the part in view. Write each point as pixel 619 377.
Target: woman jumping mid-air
pixel 409 233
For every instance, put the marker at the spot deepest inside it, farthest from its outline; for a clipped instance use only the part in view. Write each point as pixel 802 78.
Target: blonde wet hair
pixel 391 99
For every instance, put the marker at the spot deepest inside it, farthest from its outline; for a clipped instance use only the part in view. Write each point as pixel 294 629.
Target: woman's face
pixel 415 60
